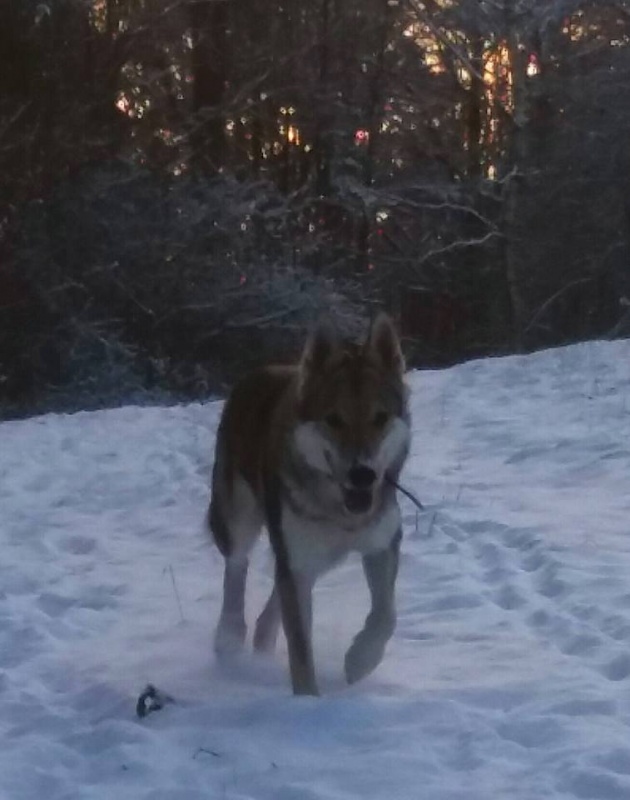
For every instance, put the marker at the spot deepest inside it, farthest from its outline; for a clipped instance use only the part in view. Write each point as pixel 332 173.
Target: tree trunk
pixel 210 30
pixel 323 148
pixel 474 109
pixel 515 189
pixel 375 112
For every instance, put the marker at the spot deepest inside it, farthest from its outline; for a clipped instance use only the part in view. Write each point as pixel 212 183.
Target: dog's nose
pixel 361 477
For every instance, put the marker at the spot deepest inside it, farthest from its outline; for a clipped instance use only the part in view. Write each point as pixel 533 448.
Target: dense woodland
pixel 186 185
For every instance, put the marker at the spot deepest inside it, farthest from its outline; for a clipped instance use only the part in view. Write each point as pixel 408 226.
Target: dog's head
pixel 352 409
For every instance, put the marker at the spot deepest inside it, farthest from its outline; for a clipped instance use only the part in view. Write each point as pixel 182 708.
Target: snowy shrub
pixel 154 285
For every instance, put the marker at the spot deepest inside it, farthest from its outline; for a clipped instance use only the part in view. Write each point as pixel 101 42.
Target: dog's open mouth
pixel 357 501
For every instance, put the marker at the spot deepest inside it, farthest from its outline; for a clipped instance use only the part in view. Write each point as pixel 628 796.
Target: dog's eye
pixel 379 420
pixel 334 420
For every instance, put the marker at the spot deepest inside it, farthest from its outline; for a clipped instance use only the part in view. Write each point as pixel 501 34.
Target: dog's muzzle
pixel 359 491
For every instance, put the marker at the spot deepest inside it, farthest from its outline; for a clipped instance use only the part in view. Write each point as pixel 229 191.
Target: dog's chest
pixel 315 545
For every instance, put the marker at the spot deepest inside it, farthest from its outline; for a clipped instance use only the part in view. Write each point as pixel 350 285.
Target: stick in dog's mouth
pixel 404 491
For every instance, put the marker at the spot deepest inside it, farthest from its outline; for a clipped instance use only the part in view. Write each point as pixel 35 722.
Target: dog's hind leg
pixel 236 523
pixel 268 624
pixel 367 649
pixel 232 628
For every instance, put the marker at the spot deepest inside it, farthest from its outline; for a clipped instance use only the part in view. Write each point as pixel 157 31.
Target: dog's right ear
pixel 320 347
pixel 384 343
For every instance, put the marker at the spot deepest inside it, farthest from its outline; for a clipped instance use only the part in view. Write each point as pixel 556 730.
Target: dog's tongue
pixel 357 501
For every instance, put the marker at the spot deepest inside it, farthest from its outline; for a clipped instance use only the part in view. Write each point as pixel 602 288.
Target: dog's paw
pixel 364 655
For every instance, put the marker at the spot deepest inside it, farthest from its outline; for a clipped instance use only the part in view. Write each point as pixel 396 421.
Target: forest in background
pixel 187 184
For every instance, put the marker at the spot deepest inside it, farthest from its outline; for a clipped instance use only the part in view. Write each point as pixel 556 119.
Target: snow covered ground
pixel 509 674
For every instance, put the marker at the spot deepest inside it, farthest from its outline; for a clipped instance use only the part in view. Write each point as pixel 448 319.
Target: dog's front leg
pixel 368 647
pixel 295 591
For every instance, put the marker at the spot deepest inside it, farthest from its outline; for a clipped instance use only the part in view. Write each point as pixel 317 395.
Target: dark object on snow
pixel 151 700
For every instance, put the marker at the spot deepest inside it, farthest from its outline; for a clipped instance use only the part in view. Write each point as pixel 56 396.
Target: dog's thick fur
pixel 311 452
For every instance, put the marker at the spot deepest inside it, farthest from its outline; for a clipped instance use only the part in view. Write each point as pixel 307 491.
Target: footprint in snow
pixel 77 545
pixel 618 669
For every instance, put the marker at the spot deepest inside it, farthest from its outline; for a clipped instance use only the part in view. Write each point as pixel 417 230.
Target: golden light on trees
pixel 497 75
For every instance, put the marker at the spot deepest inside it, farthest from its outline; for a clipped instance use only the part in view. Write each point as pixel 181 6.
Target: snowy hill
pixel 509 673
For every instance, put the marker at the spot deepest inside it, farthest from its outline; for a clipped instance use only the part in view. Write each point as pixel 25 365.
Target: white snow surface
pixel 508 675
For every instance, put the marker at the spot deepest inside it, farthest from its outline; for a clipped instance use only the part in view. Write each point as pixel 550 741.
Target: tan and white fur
pixel 312 453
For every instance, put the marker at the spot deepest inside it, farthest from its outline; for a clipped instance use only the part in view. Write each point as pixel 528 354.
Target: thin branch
pixel 404 491
pixel 460 244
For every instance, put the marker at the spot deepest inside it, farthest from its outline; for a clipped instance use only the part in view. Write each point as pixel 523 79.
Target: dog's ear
pixel 320 348
pixel 384 344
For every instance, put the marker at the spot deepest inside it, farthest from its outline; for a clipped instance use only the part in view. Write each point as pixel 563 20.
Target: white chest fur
pixel 316 545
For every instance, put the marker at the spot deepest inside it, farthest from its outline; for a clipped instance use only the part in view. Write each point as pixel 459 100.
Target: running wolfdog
pixel 312 452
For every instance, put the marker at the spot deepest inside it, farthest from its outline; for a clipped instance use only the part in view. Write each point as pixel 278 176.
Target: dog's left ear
pixel 383 342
